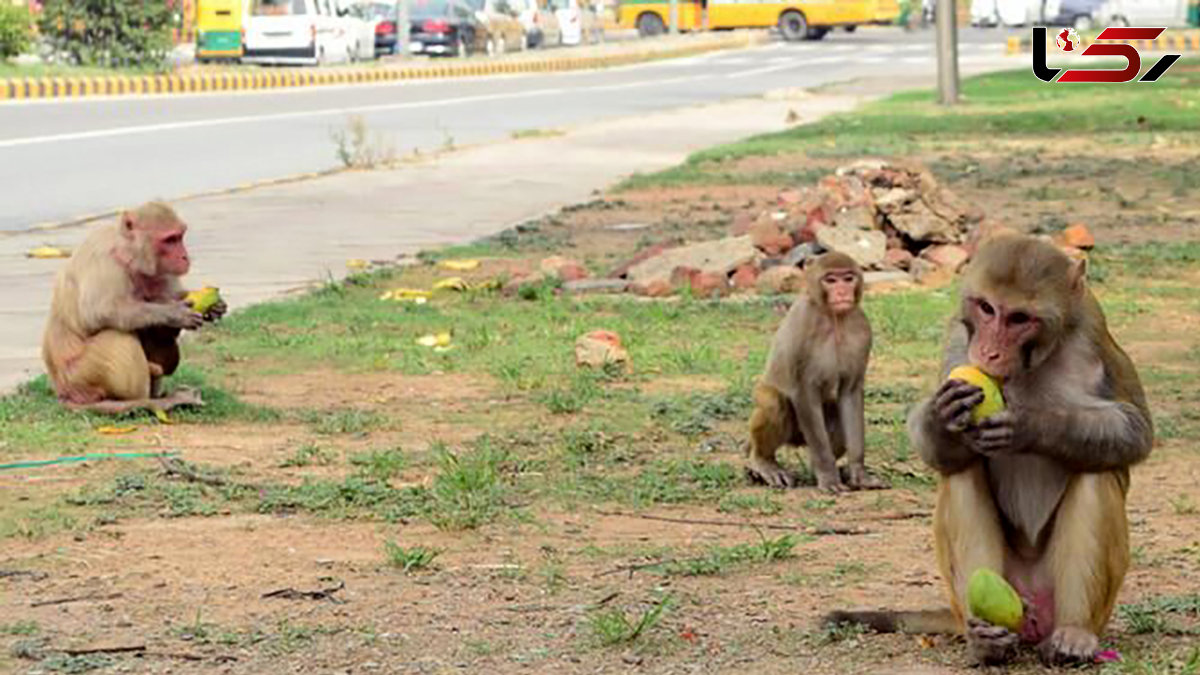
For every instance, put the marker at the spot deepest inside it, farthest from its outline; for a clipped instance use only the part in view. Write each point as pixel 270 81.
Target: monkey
pixel 1037 491
pixel 116 313
pixel 812 390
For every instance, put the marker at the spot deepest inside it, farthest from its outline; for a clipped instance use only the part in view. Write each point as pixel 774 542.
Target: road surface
pixel 63 159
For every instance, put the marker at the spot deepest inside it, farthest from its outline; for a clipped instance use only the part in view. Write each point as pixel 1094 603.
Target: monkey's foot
pixel 766 472
pixel 832 483
pixel 184 396
pixel 1068 645
pixel 857 478
pixel 991 645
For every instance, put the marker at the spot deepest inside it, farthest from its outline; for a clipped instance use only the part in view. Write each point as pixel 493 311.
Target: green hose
pixel 30 464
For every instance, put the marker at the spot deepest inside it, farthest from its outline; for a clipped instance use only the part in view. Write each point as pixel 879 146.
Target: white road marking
pixel 326 112
pixel 795 63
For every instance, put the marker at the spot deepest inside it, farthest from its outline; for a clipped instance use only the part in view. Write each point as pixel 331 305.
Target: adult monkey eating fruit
pixel 117 311
pixel 812 390
pixel 1036 491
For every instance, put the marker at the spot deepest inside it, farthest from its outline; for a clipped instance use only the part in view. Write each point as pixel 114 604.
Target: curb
pixel 80 87
pixel 1172 41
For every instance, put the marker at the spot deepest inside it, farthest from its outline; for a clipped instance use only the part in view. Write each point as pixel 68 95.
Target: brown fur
pixel 812 390
pixel 1037 492
pixel 109 300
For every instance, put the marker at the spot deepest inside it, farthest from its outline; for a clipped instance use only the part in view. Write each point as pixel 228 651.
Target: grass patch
pixel 719 559
pixel 379 465
pixel 468 491
pixel 1158 616
pixel 410 559
pixel 612 627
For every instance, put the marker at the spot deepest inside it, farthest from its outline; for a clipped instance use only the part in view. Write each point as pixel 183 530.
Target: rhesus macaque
pixel 1037 491
pixel 812 391
pixel 117 313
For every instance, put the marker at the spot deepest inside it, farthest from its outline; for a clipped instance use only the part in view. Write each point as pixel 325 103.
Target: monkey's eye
pixel 1018 318
pixel 986 308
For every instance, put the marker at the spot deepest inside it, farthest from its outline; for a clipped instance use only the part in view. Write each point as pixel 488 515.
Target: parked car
pixel 445 28
pixel 506 32
pixel 305 32
pixel 580 23
pixel 539 21
pixel 1169 13
pixel 1080 14
pixel 387 26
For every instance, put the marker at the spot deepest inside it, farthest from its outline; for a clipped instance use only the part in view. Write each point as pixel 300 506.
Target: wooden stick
pixel 830 530
pixel 105 650
pixel 81 598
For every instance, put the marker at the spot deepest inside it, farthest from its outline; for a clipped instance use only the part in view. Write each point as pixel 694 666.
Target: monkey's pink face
pixel 840 286
pixel 1000 335
pixel 172 254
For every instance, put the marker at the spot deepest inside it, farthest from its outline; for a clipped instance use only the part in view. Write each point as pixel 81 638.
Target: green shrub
pixel 110 33
pixel 16 31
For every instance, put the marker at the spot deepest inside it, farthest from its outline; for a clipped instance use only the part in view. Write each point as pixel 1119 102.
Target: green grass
pixel 720 559
pixel 994 106
pixel 410 559
pixel 611 627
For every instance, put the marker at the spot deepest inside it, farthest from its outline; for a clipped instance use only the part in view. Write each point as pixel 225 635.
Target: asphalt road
pixel 63 159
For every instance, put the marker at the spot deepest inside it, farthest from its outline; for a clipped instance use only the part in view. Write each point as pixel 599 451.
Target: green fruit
pixel 203 299
pixel 992 599
pixel 993 400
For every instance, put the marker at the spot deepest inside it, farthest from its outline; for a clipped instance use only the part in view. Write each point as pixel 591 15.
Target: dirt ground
pixel 187 594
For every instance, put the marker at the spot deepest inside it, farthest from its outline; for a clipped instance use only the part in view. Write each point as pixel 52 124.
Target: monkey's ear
pixel 1078 274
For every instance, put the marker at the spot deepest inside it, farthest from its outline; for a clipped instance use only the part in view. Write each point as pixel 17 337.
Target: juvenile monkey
pixel 1036 492
pixel 812 390
pixel 117 311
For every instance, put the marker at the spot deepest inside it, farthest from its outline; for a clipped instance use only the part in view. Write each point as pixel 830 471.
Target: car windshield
pixel 429 7
pixel 381 10
pixel 279 8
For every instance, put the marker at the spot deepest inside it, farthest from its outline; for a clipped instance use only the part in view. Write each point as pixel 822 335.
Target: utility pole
pixel 674 17
pixel 403 31
pixel 947 51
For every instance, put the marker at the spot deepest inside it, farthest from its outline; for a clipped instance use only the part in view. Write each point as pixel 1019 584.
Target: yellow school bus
pixel 219 29
pixel 796 19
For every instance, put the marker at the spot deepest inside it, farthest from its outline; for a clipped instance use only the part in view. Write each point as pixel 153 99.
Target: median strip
pixel 80 87
pixel 1171 41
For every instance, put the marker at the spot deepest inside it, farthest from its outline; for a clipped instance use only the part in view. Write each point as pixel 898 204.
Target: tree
pixel 110 33
pixel 16 30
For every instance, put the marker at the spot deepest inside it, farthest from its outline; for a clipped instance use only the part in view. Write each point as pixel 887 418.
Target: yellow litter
pixel 439 340
pixel 115 431
pixel 47 253
pixel 460 265
pixel 451 284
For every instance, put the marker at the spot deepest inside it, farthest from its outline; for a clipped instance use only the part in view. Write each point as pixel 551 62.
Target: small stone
pixel 683 276
pixel 949 256
pixel 585 286
pixel 572 272
pixel 866 247
pixel 720 256
pixel 855 217
pixel 898 258
pixel 744 278
pixel 790 196
pixel 642 255
pixel 554 263
pixel 514 285
pixel 889 200
pixel 885 278
pixel 628 227
pixel 659 288
pixel 780 279
pixel 920 223
pixel 599 348
pixel 710 284
pixel 1078 236
pixel 741 225
pixel 929 274
pixel 769 237
pixel 799 254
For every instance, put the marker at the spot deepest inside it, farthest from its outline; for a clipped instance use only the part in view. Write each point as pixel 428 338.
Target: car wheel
pixel 1083 22
pixel 793 26
pixel 816 33
pixel 850 29
pixel 650 25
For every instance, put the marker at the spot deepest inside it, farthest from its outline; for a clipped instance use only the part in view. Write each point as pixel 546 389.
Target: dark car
pixel 445 28
pixel 1080 14
pixel 387 38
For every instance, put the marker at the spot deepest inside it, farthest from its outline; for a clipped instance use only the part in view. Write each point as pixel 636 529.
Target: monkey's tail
pixel 922 622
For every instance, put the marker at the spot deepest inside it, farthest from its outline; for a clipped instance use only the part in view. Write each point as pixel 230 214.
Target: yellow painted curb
pixel 81 87
pixel 1171 41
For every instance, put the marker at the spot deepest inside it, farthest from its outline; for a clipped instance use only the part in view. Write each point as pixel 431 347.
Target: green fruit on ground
pixel 991 598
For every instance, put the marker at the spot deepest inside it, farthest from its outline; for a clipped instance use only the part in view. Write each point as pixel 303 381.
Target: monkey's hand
pixel 991 645
pixel 994 435
pixel 953 403
pixel 181 315
pixel 217 311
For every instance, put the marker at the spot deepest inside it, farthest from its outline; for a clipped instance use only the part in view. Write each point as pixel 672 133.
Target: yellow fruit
pixel 993 400
pixel 460 265
pixel 992 599
pixel 203 299
pixel 451 284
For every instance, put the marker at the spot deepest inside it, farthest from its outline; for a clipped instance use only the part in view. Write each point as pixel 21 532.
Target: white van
pixel 305 32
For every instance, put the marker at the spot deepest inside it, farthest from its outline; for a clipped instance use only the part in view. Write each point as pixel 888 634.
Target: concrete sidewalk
pixel 264 242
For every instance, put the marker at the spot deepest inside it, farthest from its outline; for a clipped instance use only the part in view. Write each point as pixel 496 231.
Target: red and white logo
pixel 1068 40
